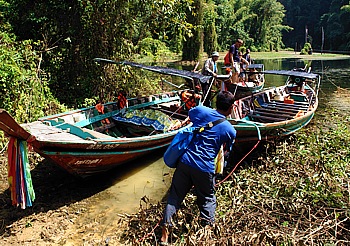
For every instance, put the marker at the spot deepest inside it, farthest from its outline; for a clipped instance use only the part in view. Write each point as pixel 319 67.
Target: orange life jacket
pixel 121 100
pixel 100 108
pixel 189 99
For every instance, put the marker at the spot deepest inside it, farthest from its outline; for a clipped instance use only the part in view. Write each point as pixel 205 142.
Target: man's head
pixel 224 102
pixel 239 43
pixel 215 55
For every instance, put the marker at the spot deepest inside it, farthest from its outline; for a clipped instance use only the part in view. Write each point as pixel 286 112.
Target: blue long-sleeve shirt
pixel 206 145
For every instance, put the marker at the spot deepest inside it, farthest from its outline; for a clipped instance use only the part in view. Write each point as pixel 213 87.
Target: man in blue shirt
pixel 197 167
pixel 235 60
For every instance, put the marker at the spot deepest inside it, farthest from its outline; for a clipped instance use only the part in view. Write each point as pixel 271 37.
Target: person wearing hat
pixel 209 69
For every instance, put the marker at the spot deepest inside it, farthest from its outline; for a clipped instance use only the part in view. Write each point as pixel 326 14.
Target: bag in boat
pixel 182 140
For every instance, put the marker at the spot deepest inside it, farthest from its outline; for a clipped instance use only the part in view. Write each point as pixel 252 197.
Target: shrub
pixel 154 49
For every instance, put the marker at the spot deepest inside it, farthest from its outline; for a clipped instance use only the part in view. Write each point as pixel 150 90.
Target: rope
pixel 235 167
pixel 211 84
pixel 2 151
pixel 169 117
pixel 150 233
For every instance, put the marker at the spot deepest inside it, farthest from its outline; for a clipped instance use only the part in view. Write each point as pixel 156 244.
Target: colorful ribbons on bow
pixel 19 178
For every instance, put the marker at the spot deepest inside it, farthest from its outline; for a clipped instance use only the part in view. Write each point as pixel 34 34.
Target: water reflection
pixel 146 177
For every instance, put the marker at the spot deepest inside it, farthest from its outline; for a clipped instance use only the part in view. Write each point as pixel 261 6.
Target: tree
pixel 193 42
pixel 75 32
pixel 210 35
pixel 24 92
pixel 233 22
pixel 268 27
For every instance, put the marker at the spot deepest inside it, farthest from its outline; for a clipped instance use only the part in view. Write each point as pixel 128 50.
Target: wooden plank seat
pixel 273 114
pixel 274 107
pixel 266 118
pixel 287 105
pixel 83 133
pixel 277 111
pixel 290 105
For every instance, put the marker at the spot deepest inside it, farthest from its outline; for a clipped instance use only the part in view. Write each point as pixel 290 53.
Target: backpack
pixel 182 140
pixel 227 61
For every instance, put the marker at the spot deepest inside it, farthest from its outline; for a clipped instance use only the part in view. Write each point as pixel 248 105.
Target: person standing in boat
pixel 243 68
pixel 247 56
pixel 209 69
pixel 234 60
pixel 197 165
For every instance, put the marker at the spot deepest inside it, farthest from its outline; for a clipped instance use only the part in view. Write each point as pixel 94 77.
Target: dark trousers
pixel 184 178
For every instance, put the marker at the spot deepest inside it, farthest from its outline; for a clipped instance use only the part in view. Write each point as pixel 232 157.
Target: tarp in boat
pixel 292 73
pixel 163 70
pixel 147 117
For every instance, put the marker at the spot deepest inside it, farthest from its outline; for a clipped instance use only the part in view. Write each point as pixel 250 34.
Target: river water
pixel 148 177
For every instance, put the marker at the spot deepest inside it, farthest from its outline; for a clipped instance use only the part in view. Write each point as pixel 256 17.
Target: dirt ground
pixel 56 215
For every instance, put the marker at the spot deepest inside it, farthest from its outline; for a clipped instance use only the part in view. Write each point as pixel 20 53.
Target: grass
pixel 256 55
pixel 292 54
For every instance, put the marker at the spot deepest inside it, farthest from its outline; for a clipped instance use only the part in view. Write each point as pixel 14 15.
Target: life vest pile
pixel 190 99
pixel 122 101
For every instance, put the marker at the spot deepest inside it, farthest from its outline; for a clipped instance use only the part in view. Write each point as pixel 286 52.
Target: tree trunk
pixel 193 46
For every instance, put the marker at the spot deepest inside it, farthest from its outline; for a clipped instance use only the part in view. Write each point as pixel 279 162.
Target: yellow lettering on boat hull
pixel 88 162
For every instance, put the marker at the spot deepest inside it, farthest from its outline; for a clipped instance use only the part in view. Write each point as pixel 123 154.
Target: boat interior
pixel 144 116
pixel 275 105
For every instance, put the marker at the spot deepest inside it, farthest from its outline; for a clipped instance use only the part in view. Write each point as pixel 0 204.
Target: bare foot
pixel 164 238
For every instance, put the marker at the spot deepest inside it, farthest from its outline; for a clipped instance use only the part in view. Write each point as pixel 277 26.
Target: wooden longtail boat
pixel 95 139
pixel 276 111
pixel 252 82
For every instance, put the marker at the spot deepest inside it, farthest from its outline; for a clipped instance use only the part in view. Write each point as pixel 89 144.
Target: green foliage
pixel 330 19
pixel 307 49
pixel 193 43
pixel 76 32
pixel 258 23
pixel 154 49
pixel 209 32
pixel 23 86
pixel 71 34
